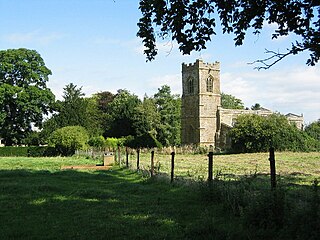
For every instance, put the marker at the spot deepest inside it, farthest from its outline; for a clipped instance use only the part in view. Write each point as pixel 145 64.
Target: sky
pixel 93 44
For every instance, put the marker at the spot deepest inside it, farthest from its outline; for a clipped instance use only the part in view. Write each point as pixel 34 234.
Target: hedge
pixel 32 151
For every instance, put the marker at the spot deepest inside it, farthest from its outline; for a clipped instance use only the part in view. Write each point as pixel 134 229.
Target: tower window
pixel 190 86
pixel 210 84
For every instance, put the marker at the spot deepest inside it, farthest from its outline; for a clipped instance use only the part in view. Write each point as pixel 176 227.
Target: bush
pixel 98 142
pixel 254 133
pixel 68 139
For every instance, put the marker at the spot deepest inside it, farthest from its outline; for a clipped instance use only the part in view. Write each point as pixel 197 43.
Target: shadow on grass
pixel 116 204
pixel 120 204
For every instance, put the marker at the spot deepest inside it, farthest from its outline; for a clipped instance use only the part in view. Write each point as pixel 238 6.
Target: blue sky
pixel 93 44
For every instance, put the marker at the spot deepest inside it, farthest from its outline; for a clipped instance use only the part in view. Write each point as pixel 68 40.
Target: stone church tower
pixel 201 99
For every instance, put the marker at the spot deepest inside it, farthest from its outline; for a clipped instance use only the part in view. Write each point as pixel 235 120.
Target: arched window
pixel 190 86
pixel 210 84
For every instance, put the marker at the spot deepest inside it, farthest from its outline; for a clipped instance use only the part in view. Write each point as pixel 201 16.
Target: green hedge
pixel 13 151
pixel 32 151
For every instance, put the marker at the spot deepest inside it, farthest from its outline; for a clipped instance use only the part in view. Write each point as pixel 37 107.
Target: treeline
pixel 152 121
pixel 77 121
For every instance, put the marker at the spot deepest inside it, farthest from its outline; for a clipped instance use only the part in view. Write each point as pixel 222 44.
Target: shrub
pixel 98 142
pixel 68 139
pixel 254 133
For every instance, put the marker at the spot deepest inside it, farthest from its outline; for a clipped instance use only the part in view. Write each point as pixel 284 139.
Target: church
pixel 203 121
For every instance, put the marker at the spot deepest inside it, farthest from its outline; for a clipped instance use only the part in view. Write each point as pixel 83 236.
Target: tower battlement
pixel 200 64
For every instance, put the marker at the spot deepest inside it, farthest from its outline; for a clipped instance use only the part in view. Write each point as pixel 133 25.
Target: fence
pixel 176 164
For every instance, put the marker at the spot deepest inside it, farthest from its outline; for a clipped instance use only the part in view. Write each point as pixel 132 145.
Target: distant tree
pixel 255 133
pixel 147 118
pixel 24 96
pixel 169 108
pixel 230 102
pixel 256 106
pixel 313 129
pixel 103 100
pixel 122 114
pixel 75 110
pixel 68 139
pixel 73 107
pixel 192 24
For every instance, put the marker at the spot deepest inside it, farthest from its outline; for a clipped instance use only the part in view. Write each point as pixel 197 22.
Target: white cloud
pixel 288 90
pixel 33 37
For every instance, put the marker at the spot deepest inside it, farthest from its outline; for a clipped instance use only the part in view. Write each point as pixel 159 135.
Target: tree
pixel 24 96
pixel 313 130
pixel 68 139
pixel 147 118
pixel 192 23
pixel 231 102
pixel 103 100
pixel 121 114
pixel 255 133
pixel 75 110
pixel 169 107
pixel 256 106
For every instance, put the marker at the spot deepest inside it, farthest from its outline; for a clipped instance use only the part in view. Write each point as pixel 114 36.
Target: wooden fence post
pixel 127 158
pixel 172 166
pixel 138 156
pixel 210 166
pixel 119 156
pixel 272 168
pixel 152 163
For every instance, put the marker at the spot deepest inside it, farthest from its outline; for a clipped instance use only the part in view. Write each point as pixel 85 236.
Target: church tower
pixel 201 98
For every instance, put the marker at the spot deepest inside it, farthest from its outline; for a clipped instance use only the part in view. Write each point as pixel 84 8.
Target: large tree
pixel 169 108
pixel 192 23
pixel 75 110
pixel 121 114
pixel 24 96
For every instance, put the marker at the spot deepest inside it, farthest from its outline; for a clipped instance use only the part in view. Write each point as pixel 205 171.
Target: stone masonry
pixel 203 121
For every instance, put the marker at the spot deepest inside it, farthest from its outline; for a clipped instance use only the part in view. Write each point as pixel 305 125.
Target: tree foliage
pixel 68 139
pixel 256 106
pixel 192 23
pixel 147 117
pixel 169 108
pixel 24 96
pixel 255 133
pixel 121 114
pixel 313 130
pixel 231 102
pixel 75 110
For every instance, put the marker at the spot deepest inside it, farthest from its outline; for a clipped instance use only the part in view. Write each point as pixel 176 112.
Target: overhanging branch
pixel 274 58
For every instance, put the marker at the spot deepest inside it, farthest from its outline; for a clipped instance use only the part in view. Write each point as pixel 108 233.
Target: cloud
pixel 33 37
pixel 288 90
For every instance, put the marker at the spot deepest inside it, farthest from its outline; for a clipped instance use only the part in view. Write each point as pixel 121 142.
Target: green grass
pixel 38 200
pixel 299 168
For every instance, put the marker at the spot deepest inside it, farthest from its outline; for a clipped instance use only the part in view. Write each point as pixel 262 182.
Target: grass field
pixel 38 200
pixel 300 168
